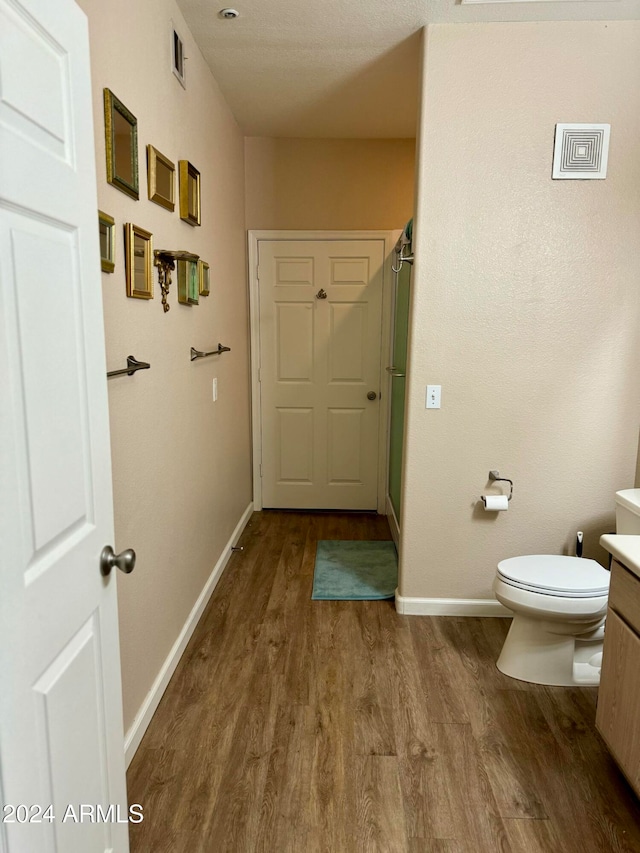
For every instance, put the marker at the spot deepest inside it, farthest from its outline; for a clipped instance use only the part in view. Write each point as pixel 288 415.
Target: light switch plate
pixel 433 396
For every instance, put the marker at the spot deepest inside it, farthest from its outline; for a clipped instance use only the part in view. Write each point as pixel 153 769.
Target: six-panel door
pixel 61 740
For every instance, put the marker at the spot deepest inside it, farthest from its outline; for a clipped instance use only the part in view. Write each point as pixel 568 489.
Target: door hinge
pixel 259 374
pixel 258 273
pixel 260 467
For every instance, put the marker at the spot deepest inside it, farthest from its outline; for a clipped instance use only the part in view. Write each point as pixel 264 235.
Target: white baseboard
pixel 450 607
pixel 393 522
pixel 147 709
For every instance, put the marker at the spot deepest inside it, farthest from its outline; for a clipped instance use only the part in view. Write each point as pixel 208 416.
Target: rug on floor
pixel 353 569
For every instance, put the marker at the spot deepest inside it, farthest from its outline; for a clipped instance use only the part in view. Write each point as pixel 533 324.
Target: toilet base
pixel 554 653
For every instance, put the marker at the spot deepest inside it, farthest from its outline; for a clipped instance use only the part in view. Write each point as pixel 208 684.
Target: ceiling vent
pixel 581 151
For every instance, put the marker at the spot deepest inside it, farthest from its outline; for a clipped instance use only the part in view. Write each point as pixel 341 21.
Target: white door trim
pixel 389 238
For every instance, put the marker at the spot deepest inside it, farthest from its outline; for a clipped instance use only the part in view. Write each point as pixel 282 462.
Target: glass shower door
pixel 398 384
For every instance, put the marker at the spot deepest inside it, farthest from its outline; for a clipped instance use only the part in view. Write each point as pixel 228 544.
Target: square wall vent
pixel 177 56
pixel 581 151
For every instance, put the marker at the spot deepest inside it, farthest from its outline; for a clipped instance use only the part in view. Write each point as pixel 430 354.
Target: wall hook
pixel 402 258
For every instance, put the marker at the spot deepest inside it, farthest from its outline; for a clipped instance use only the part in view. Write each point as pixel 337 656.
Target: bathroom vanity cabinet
pixel 618 714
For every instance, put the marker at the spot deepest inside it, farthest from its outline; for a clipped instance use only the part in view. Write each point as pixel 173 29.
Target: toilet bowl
pixel 559 606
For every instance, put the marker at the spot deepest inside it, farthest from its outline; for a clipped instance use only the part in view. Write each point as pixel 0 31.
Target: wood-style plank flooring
pixel 340 726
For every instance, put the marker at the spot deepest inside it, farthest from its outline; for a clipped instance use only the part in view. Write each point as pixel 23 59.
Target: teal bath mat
pixel 355 570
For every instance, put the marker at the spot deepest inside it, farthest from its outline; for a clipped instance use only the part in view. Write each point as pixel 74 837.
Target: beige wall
pixel 181 464
pixel 526 300
pixel 329 184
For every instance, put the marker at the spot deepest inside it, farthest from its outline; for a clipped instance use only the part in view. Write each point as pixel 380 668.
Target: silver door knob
pixel 371 395
pixel 125 561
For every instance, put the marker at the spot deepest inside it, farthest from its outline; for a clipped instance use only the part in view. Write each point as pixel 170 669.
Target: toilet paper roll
pixel 495 503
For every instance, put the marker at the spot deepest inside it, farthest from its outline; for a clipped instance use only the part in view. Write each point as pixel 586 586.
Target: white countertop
pixel 625 548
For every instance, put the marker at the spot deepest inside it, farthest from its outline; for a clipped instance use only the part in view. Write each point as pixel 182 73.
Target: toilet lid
pixel 551 574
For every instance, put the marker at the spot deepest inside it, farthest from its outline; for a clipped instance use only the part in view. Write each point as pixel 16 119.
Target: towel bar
pixel 195 353
pixel 132 365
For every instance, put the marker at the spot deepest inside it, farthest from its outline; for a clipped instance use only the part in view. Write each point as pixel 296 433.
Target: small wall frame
pixel 121 145
pixel 188 282
pixel 189 192
pixel 139 261
pixel 160 178
pixel 107 231
pixel 204 278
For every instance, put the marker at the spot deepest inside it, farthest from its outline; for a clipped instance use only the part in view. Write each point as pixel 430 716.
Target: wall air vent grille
pixel 177 56
pixel 581 151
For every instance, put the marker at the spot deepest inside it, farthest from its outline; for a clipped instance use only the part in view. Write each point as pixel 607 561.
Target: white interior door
pixel 320 341
pixel 61 739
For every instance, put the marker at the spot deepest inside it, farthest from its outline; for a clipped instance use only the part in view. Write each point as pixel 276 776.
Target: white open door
pixel 61 739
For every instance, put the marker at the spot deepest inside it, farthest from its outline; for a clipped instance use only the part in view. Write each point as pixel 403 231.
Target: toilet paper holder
pixel 495 477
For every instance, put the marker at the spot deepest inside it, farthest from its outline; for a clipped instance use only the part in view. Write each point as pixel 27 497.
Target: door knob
pixel 371 395
pixel 321 294
pixel 125 561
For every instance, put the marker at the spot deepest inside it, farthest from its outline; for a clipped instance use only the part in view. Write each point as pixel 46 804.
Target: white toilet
pixel 559 605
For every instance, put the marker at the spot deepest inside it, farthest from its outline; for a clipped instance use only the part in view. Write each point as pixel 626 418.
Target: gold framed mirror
pixel 121 141
pixel 160 178
pixel 204 277
pixel 107 231
pixel 138 252
pixel 189 192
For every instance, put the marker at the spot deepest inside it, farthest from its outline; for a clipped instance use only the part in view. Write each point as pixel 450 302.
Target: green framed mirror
pixel 188 281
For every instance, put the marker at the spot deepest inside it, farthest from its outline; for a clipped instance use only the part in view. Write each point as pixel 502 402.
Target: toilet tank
pixel 628 511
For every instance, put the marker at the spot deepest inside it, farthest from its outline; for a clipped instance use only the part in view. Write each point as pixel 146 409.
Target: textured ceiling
pixel 342 68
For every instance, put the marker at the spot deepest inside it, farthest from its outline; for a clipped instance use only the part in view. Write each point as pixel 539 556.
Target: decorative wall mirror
pixel 107 228
pixel 138 260
pixel 189 192
pixel 188 282
pixel 204 278
pixel 121 140
pixel 160 178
